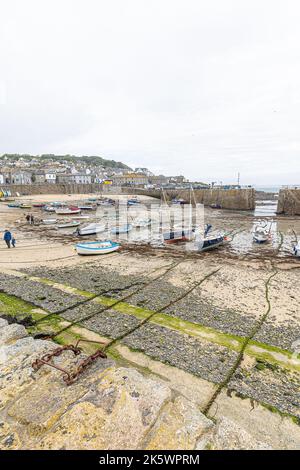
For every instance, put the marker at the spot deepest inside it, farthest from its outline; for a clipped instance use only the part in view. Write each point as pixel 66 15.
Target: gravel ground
pixel 194 309
pixel 38 294
pixel 92 278
pixel 82 311
pixel 157 295
pixel 270 385
pixel 282 336
pixel 111 323
pixel 206 360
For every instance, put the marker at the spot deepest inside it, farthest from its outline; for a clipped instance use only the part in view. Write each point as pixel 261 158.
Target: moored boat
pixel 121 229
pixel 141 223
pixel 297 250
pixel 38 205
pixel 91 229
pixel 49 208
pixel 68 211
pixel 211 242
pixel 175 236
pixel 97 248
pixel 49 221
pixel 25 206
pixel 261 236
pixel 87 208
pixel 69 224
pixel 14 205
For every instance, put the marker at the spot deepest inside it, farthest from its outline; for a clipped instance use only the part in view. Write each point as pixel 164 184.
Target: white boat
pixel 97 248
pixel 141 223
pixel 69 224
pixel 297 249
pixel 210 242
pixel 91 229
pixel 49 221
pixel 121 229
pixel 67 211
pixel 49 209
pixel 261 235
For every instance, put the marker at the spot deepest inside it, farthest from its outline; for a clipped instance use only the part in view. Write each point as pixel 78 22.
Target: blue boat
pixel 121 229
pixel 97 248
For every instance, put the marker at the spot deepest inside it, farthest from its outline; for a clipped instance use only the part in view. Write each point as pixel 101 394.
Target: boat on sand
pixel 91 229
pixel 97 248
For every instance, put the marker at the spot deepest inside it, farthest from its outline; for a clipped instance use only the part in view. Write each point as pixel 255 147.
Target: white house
pixel 50 177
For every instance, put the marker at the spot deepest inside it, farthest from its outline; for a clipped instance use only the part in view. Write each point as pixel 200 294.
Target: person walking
pixel 13 242
pixel 7 238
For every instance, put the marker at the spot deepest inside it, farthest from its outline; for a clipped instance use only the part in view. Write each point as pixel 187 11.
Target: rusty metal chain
pixel 69 377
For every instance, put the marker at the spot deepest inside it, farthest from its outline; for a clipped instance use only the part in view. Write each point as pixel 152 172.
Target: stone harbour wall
pixel 289 202
pixel 235 199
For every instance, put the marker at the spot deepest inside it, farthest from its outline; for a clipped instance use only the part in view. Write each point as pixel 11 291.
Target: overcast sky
pixel 194 87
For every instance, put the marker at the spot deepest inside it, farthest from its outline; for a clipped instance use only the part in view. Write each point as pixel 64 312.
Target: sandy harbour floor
pixel 221 327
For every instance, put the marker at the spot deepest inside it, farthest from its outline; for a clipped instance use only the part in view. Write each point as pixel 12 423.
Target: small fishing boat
pixel 141 223
pixel 58 203
pixel 121 229
pixel 297 249
pixel 49 208
pixel 14 205
pixel 7 199
pixel 97 248
pixel 215 206
pixel 81 217
pixel 261 235
pixel 175 236
pixel 49 221
pixel 91 229
pixel 72 223
pixel 38 205
pixel 179 201
pixel 25 206
pixel 68 211
pixel 133 201
pixel 210 242
pixel 87 208
pixel 106 202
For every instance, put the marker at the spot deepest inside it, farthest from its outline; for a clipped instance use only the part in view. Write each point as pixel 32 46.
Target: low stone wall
pixel 31 189
pixel 237 199
pixel 289 202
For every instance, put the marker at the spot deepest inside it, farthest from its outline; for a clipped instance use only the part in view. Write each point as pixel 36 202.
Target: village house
pixel 20 177
pixel 50 177
pixel 38 177
pixel 130 179
pixel 76 178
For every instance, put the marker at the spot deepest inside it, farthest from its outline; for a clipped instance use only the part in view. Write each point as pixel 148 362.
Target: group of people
pixel 9 239
pixel 30 219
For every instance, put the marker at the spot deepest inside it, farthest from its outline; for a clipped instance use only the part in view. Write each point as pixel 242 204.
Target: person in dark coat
pixel 7 238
